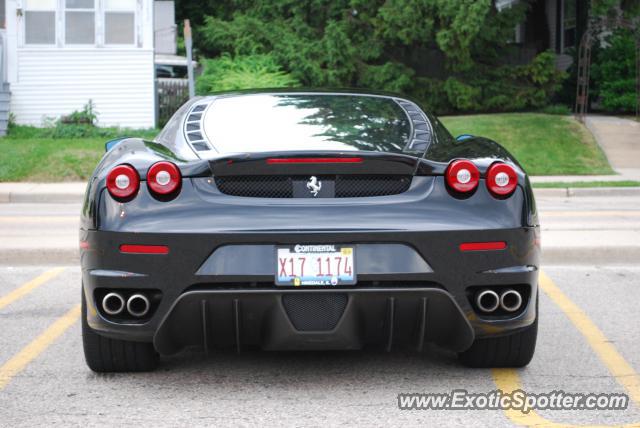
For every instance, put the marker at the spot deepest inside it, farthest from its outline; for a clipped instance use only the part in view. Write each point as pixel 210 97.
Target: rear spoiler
pixel 303 163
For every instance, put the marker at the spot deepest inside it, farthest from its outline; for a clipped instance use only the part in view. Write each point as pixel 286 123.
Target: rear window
pixel 301 122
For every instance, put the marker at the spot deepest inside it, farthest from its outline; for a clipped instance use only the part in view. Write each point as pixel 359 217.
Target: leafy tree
pixel 611 8
pixel 446 53
pixel 614 73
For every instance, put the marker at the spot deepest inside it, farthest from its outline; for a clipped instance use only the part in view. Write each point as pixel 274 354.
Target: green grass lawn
pixel 29 154
pixel 49 159
pixel 544 144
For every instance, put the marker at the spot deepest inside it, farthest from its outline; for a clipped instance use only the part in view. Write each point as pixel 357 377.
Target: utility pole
pixel 188 44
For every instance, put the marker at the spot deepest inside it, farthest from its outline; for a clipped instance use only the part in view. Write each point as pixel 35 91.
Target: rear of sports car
pixel 308 222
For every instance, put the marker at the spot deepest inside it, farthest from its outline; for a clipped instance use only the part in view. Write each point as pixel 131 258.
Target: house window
pixel 569 21
pixel 40 22
pixel 80 22
pixel 119 22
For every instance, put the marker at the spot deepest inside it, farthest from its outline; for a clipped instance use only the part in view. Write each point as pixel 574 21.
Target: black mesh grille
pixel 314 312
pixel 346 186
pixel 256 186
pixel 359 186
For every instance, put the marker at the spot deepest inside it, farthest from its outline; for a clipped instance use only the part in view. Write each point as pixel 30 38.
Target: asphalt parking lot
pixel 589 342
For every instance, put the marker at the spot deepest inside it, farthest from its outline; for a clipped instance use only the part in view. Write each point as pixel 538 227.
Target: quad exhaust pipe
pixel 138 305
pixel 510 300
pixel 113 303
pixel 489 301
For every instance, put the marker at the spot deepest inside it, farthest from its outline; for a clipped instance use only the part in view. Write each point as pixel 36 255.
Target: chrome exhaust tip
pixel 510 300
pixel 113 304
pixel 487 301
pixel 138 305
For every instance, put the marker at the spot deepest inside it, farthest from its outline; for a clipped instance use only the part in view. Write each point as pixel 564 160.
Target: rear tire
pixel 513 350
pixel 104 355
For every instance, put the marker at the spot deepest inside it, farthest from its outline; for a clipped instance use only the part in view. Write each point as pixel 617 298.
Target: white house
pixel 61 53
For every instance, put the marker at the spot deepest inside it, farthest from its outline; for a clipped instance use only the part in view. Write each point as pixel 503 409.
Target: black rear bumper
pixel 207 304
pixel 314 319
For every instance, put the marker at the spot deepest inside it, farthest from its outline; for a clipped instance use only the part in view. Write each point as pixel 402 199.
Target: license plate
pixel 315 265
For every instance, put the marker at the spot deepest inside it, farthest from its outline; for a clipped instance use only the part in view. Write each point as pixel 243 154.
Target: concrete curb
pixel 42 192
pixel 587 191
pixel 41 198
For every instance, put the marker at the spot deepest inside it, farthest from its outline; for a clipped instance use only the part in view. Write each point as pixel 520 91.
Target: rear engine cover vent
pixel 193 128
pixel 314 311
pixel 282 186
pixel 422 131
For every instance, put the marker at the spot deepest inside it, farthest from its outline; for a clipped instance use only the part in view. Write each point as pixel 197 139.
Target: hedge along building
pixel 59 54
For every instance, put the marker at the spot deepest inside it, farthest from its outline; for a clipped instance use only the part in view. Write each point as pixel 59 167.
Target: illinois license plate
pixel 315 265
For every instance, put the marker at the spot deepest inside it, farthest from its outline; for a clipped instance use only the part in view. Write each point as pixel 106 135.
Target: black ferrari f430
pixel 307 220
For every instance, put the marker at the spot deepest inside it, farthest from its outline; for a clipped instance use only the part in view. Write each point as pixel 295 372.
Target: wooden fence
pixel 171 93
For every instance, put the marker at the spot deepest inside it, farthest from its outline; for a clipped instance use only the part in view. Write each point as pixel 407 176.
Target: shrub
pixel 430 92
pixel 64 131
pixel 462 97
pixel 242 72
pixel 78 124
pixel 494 89
pixel 74 130
pixel 391 76
pixel 87 116
pixel 614 73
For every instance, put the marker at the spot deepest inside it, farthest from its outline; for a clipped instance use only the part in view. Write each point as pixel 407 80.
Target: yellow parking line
pixel 508 380
pixel 19 361
pixel 608 354
pixel 29 286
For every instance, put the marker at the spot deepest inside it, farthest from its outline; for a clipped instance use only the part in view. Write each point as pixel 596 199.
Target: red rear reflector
pixel 313 160
pixel 84 245
pixel 144 249
pixel 483 246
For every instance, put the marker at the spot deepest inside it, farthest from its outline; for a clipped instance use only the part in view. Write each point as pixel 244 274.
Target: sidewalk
pixel 42 192
pixel 620 140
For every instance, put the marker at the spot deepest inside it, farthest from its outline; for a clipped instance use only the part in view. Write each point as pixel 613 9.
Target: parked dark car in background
pixel 289 220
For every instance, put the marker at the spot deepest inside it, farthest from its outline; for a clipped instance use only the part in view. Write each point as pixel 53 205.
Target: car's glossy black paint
pixel 428 218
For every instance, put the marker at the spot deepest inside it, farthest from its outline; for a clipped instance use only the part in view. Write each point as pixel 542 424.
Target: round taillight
pixel 501 179
pixel 123 181
pixel 462 176
pixel 164 178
